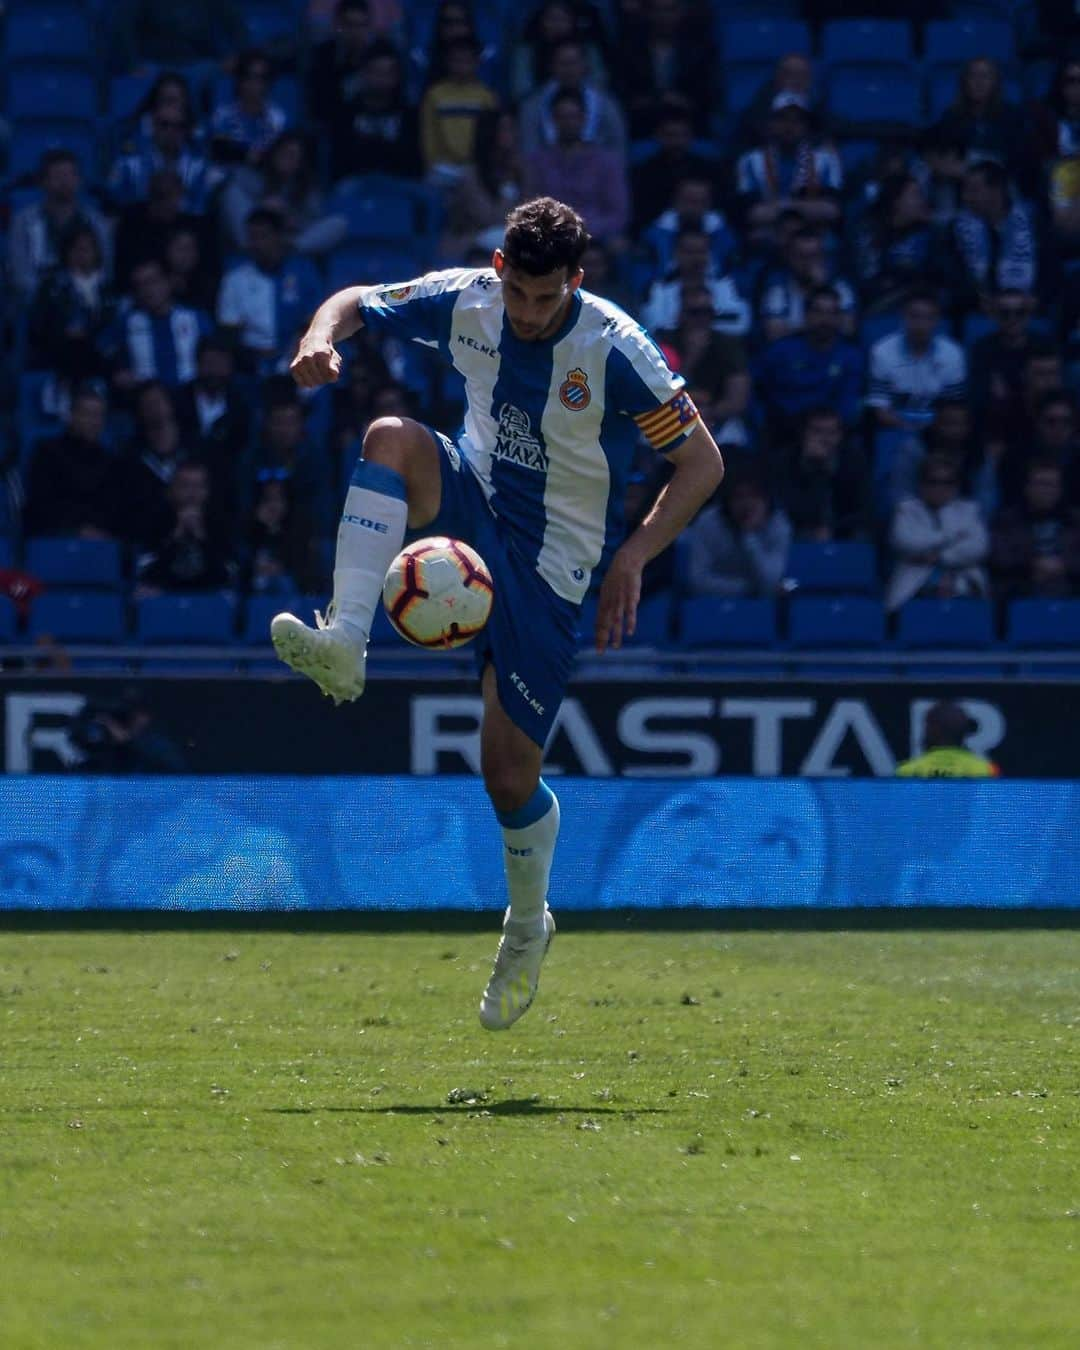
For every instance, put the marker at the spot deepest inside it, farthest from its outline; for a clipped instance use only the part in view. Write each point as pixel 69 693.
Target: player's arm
pixel 699 470
pixel 318 361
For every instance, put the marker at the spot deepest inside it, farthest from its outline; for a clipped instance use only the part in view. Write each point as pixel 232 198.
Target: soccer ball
pixel 438 593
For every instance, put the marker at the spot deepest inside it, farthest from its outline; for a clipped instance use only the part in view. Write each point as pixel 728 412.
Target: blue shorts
pixel 531 638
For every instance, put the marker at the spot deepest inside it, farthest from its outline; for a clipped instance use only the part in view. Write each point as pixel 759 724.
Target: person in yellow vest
pixel 945 756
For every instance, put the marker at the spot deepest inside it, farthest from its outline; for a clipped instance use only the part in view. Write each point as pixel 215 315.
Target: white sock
pixel 529 836
pixel 370 536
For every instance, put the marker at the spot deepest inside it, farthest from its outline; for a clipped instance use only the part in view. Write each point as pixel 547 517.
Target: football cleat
pixel 516 974
pixel 324 654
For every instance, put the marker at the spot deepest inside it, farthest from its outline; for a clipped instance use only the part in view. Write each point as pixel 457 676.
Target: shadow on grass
pixel 515 1106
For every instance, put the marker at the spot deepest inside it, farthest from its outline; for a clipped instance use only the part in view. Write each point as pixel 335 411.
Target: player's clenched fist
pixel 316 363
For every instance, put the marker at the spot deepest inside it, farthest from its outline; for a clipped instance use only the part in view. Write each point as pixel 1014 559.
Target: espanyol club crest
pixel 396 295
pixel 574 392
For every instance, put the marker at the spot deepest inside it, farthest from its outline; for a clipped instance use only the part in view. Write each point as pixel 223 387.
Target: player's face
pixel 535 306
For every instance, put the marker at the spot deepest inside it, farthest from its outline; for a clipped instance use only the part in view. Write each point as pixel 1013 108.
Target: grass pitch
pixel 756 1139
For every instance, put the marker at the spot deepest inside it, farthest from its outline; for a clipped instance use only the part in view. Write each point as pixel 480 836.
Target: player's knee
pixel 389 441
pixel 509 785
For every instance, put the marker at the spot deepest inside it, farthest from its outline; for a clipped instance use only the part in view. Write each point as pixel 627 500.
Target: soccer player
pixel 559 386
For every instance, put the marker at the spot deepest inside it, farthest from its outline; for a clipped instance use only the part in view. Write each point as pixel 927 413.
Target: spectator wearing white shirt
pixel 783 301
pixel 692 269
pixel 939 538
pixel 911 370
pixel 271 296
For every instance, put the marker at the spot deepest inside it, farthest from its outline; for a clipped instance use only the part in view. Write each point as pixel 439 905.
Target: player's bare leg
pixel 529 814
pixel 396 482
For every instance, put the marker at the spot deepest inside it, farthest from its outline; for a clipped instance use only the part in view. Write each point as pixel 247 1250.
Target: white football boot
pixel 324 654
pixel 516 973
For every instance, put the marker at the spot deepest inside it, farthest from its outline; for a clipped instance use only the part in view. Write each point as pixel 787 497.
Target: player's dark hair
pixel 544 235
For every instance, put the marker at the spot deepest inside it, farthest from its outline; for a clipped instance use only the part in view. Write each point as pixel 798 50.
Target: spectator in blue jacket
pixel 268 297
pixel 816 368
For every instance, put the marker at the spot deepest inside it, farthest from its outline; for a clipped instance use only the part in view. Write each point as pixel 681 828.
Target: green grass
pixel 695 1139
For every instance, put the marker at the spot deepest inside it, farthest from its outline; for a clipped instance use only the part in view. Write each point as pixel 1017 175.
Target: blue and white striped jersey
pixel 550 427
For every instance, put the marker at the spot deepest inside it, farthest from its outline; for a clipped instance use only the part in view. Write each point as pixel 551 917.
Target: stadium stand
pixel 856 129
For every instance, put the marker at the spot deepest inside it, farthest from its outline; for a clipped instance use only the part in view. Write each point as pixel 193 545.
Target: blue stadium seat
pixel 876 326
pixel 33 420
pixel 75 562
pixel 371 264
pixel 587 623
pixel 946 623
pixel 653 623
pixel 954 41
pixel 384 634
pixel 653 627
pixel 8 620
pixel 836 621
pixel 763 40
pixel 7 552
pixel 258 612
pixel 31 139
pixel 723 621
pixel 862 96
pixel 271 21
pixel 379 216
pixel 79 616
pixel 1044 623
pixel 977 326
pixel 847 565
pixel 50 29
pixel 38 90
pixel 126 92
pixel 741 85
pixel 872 42
pixel 185 618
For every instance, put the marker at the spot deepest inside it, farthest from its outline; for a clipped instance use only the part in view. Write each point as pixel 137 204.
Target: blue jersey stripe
pixel 519 456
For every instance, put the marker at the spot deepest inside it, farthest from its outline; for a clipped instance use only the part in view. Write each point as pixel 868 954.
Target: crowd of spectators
pixel 882 330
